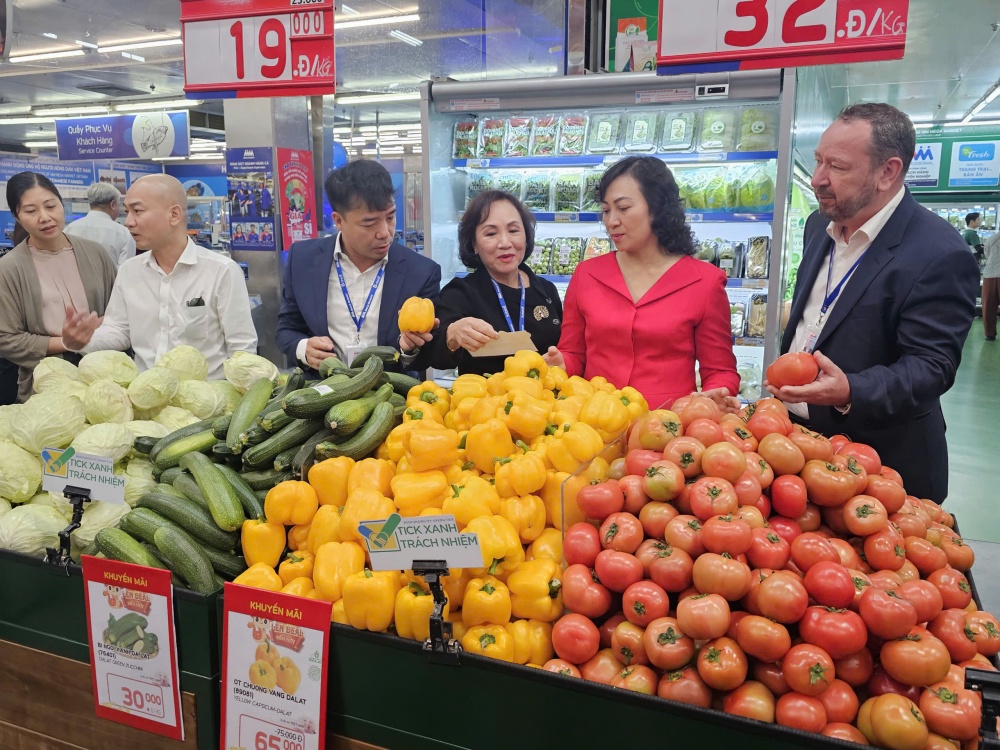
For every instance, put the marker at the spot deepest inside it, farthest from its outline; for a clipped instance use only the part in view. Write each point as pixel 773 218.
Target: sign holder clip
pixel 988 683
pixel 61 558
pixel 440 647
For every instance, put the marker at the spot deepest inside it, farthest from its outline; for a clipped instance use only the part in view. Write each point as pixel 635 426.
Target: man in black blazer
pixel 888 339
pixel 341 294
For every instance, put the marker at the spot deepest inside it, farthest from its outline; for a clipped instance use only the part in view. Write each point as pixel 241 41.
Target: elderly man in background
pixel 101 224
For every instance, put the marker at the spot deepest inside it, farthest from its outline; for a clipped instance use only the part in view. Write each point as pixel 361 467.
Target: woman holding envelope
pixel 495 236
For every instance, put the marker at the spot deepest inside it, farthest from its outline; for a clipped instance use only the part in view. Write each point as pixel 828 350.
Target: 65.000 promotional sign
pixel 724 35
pixel 269 48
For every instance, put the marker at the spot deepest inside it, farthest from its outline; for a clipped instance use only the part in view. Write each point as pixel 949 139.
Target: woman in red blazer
pixel 643 315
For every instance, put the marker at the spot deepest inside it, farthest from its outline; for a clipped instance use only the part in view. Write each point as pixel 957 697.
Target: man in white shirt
pixel 101 223
pixel 177 293
pixel 884 298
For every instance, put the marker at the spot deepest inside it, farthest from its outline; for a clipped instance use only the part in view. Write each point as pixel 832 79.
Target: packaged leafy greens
pixel 572 135
pixel 596 246
pixel 477 182
pixel 757 315
pixel 605 132
pixel 640 132
pixel 509 181
pixel 678 131
pixel 717 191
pixel 589 200
pixel 756 189
pixel 567 252
pixel 491 135
pixel 537 191
pixel 718 130
pixel 758 257
pixel 758 129
pixel 566 191
pixel 731 258
pixel 517 137
pixel 544 135
pixel 540 260
pixel 466 139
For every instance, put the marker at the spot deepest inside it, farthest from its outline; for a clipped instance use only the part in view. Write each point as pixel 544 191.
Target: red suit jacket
pixel 652 344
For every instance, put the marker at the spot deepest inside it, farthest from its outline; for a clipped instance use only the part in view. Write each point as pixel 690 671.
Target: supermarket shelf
pixel 746 283
pixel 585 217
pixel 596 160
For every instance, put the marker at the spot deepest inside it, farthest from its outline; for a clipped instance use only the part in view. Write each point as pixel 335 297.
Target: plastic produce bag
pixel 537 191
pixel 567 253
pixel 605 133
pixel 678 131
pixel 477 182
pixel 718 130
pixel 572 135
pixel 517 137
pixel 540 260
pixel 566 191
pixel 116 366
pixel 758 257
pixel 758 129
pixel 640 132
pixel 466 139
pixel 756 191
pixel 544 135
pixel 491 134
pixel 509 181
pixel 589 201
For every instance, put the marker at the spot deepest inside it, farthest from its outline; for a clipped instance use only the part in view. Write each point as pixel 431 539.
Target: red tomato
pixel 827 484
pixel 782 454
pixel 840 702
pixel 864 455
pixel 582 594
pixel 960 555
pixel 581 544
pixel 800 712
pixel 767 422
pixel 916 659
pixel 638 679
pixel 760 468
pixel 622 532
pixel 793 368
pixel 649 550
pixel 848 556
pixel 637 461
pixel 924 597
pixel 663 481
pixel 864 515
pixel 813 445
pixel 855 669
pixel 724 461
pixel 627 643
pixel 762 638
pixel 884 550
pixel 603 667
pixel 685 686
pixel 684 532
pixel 686 452
pixel 747 489
pixel 617 570
pixel 722 664
pixel 950 712
pixel 700 407
pixel 808 669
pixel 770 676
pixel 897 723
pixel 924 555
pixel 880 683
pixel 954 629
pixel 989 643
pixel 726 534
pixel 846 732
pixel 830 584
pixel 886 491
pixel 561 666
pixel 751 515
pixel 607 627
pixel 752 700
pixel 737 434
pixel 703 616
pixel 707 431
pixel 712 496
pixel 892 474
pixel 575 638
pixel 861 583
pixel 767 549
pixel 954 587
pixel 811 520
pixel 654 517
pixel 787 528
pixel 644 602
pixel 810 548
pixel 672 570
pixel 633 488
pixel 886 616
pixel 851 465
pixel 666 644
pixel 600 499
pixel 839 632
pixel 887 580
pixel 617 469
pixel 653 431
pixel 783 598
pixel 717 574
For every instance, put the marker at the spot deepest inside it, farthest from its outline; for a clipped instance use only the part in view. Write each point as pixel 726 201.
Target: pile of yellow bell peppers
pixel 500 454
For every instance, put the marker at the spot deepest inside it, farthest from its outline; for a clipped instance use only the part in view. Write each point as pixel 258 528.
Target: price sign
pixel 271 48
pixel 725 35
pixel 274 655
pixel 133 647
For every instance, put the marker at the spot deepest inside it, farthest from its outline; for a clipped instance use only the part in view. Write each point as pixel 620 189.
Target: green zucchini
pixel 331 366
pixel 314 402
pixel 305 456
pixel 264 479
pixel 222 501
pixel 169 475
pixel 176 577
pixel 189 516
pixel 387 355
pixel 251 506
pixel 262 496
pixel 178 547
pixel 173 437
pixel 290 436
pixel 117 545
pixel 367 439
pixel 274 420
pixel 169 488
pixel 187 486
pixel 197 443
pixel 283 461
pixel 141 523
pixel 227 565
pixel 401 383
pixel 144 444
pixel 246 411
pixel 253 435
pixel 220 427
pixel 222 455
pixel 348 417
pixel 397 400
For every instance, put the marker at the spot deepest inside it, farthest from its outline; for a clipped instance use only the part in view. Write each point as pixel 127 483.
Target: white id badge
pixel 353 350
pixel 812 336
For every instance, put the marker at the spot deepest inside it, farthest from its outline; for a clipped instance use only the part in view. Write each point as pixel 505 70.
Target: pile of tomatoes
pixel 745 563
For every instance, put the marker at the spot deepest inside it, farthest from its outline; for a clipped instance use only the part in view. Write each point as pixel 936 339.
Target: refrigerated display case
pixel 549 140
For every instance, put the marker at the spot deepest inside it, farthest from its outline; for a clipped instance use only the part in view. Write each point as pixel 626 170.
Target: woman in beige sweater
pixel 44 276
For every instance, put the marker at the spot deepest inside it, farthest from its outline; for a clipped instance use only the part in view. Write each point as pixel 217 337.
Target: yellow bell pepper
pixel 313 594
pixel 536 590
pixel 548 546
pixel 431 394
pixel 363 505
pixel 371 474
pixel 289 676
pixel 634 402
pixel 528 386
pixel 262 542
pixel 298 536
pixel 457 626
pixel 414 606
pixel 520 474
pixel 262 674
pixel 525 363
pixel 338 613
pixel 566 409
pixel 551 495
pixel 577 386
pixel 554 378
pixel 329 479
pixel 260 576
pixel 417 315
pixel 370 599
pixel 575 447
pixel 298 586
pixel 414 492
pixel 394 441
pixel 486 442
pixel 432 511
pixel 526 513
pixel 494 384
pixel 325 527
pixel 382 453
pixel 602 384
pixel 606 413
pixel 487 602
pixel 525 416
pixel 457 472
pixel 532 641
pixel 291 503
pixel 298 564
pixel 485 409
pixel 403 466
pixel 454 587
pixel 467 386
pixel 477 497
pixel 431 449
pixel 267 651
pixel 499 543
pixel 489 640
pixel 334 563
pixel 425 413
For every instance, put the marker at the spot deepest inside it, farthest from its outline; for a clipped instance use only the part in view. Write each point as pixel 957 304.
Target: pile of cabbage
pixel 100 407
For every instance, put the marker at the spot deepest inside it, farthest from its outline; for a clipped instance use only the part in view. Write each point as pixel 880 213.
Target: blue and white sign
pixel 975 164
pixel 925 169
pixel 145 135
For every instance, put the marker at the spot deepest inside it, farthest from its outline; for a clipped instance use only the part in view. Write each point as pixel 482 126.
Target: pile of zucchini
pixel 215 474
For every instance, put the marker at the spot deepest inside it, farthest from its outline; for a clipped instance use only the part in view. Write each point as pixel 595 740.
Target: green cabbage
pixel 51 366
pixel 174 417
pixel 153 388
pixel 144 415
pixel 106 401
pixel 244 369
pixel 97 515
pixel 20 472
pixel 145 428
pixel 186 361
pixel 716 190
pixel 48 420
pixel 231 393
pixel 59 383
pixel 199 398
pixel 139 480
pixel 7 415
pixel 4 506
pixel 110 440
pixel 757 190
pixel 55 500
pixel 29 529
pixel 116 366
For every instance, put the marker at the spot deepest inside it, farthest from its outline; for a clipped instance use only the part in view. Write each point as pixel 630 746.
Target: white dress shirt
pixel 106 232
pixel 341 328
pixel 845 253
pixel 148 309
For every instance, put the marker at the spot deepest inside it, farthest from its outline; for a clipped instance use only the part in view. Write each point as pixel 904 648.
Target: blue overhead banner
pixel 144 135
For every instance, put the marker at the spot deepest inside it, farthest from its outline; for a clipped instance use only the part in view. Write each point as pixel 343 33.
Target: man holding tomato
pixel 884 299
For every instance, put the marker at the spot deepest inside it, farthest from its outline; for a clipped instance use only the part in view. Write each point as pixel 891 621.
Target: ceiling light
pixel 349 10
pixel 990 95
pixel 378 98
pixel 49 34
pixel 130 56
pixel 42 144
pixel 63 111
pixel 963 123
pixel 162 104
pixel 46 56
pixel 406 38
pixel 25 120
pixel 39 134
pixel 141 45
pixel 377 21
pixel 82 43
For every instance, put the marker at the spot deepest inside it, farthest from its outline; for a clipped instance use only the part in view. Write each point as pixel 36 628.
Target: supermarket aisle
pixel 972 410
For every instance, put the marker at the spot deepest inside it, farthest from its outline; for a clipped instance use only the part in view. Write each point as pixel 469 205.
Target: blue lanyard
pixel 831 297
pixel 359 322
pixel 503 304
